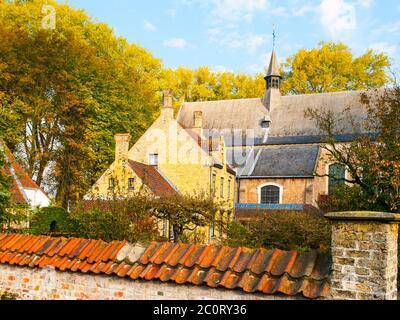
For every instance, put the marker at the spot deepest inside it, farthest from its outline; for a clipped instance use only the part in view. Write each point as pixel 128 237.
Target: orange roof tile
pixel 153 179
pixel 253 271
pixel 20 179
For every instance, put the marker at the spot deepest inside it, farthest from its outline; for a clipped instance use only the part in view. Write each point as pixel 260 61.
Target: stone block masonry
pixel 364 252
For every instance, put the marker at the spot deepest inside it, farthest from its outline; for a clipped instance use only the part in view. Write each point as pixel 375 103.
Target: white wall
pixel 37 198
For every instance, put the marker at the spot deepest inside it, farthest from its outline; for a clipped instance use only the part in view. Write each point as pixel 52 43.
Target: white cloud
pixel 337 16
pixel 235 40
pixel 149 26
pixel 176 43
pixel 365 3
pixel 384 47
pixel 305 9
pixel 235 10
pixel 221 69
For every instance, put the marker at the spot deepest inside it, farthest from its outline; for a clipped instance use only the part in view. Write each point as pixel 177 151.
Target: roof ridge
pixel 221 101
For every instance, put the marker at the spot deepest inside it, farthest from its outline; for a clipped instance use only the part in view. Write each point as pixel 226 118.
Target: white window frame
pixel 153 156
pixel 281 190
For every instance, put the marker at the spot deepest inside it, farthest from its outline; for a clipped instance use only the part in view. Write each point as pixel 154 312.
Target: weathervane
pixel 273 36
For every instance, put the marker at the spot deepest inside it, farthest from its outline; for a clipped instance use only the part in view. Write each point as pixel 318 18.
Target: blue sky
pixel 236 35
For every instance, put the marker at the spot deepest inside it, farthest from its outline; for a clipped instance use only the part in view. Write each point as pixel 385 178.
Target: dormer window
pixel 266 123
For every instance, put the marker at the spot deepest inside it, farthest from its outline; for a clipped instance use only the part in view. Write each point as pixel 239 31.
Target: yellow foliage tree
pixel 332 67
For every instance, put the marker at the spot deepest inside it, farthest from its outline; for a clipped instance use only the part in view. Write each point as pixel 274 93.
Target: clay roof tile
pixel 262 271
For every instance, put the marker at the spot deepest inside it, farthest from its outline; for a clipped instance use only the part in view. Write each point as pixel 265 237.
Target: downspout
pixel 238 190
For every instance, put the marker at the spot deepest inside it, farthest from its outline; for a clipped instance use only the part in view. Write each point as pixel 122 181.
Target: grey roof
pixel 284 162
pixel 226 116
pixel 273 69
pixel 244 117
pixel 289 120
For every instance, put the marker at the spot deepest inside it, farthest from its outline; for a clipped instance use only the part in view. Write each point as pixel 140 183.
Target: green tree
pixel 288 230
pixel 185 213
pixel 373 159
pixel 332 67
pixel 5 195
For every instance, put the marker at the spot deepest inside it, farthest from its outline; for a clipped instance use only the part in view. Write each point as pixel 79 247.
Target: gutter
pixel 276 177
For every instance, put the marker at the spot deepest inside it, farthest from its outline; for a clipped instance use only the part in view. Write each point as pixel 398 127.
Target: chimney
pixel 122 147
pixel 167 110
pixel 364 253
pixel 198 123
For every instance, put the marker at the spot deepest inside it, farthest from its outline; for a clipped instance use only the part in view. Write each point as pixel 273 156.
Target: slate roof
pixel 273 69
pixel 153 179
pixel 252 271
pixel 232 118
pixel 284 162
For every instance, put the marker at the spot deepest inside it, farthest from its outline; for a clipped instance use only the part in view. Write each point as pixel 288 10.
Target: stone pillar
pixel 364 252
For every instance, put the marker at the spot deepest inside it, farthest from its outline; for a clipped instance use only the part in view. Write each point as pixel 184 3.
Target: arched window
pixel 337 176
pixel 271 194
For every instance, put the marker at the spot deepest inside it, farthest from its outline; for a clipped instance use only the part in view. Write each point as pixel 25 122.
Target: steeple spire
pixel 273 69
pixel 272 98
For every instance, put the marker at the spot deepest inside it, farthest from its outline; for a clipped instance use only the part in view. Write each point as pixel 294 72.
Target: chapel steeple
pixel 272 98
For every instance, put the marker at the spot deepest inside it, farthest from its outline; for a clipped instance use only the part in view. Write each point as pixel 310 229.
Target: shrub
pixel 8 296
pixel 238 235
pixel 51 221
pixel 114 220
pixel 286 230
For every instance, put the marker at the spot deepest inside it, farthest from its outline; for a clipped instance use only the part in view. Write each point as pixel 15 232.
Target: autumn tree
pixel 372 159
pixel 65 92
pixel 204 84
pixel 332 67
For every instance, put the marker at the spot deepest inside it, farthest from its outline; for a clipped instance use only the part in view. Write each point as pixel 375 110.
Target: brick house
pixel 274 149
pixel 169 159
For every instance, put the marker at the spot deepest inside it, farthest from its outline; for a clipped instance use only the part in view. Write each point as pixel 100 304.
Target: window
pixel 337 176
pixel 153 159
pixel 222 188
pixel 131 183
pixel 229 188
pixel 111 183
pixel 270 195
pixel 213 184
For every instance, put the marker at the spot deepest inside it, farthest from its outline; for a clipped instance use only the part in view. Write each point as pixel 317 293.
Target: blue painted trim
pixel 295 207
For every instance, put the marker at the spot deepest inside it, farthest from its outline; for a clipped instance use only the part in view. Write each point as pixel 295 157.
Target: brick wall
pixel 48 284
pixel 295 191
